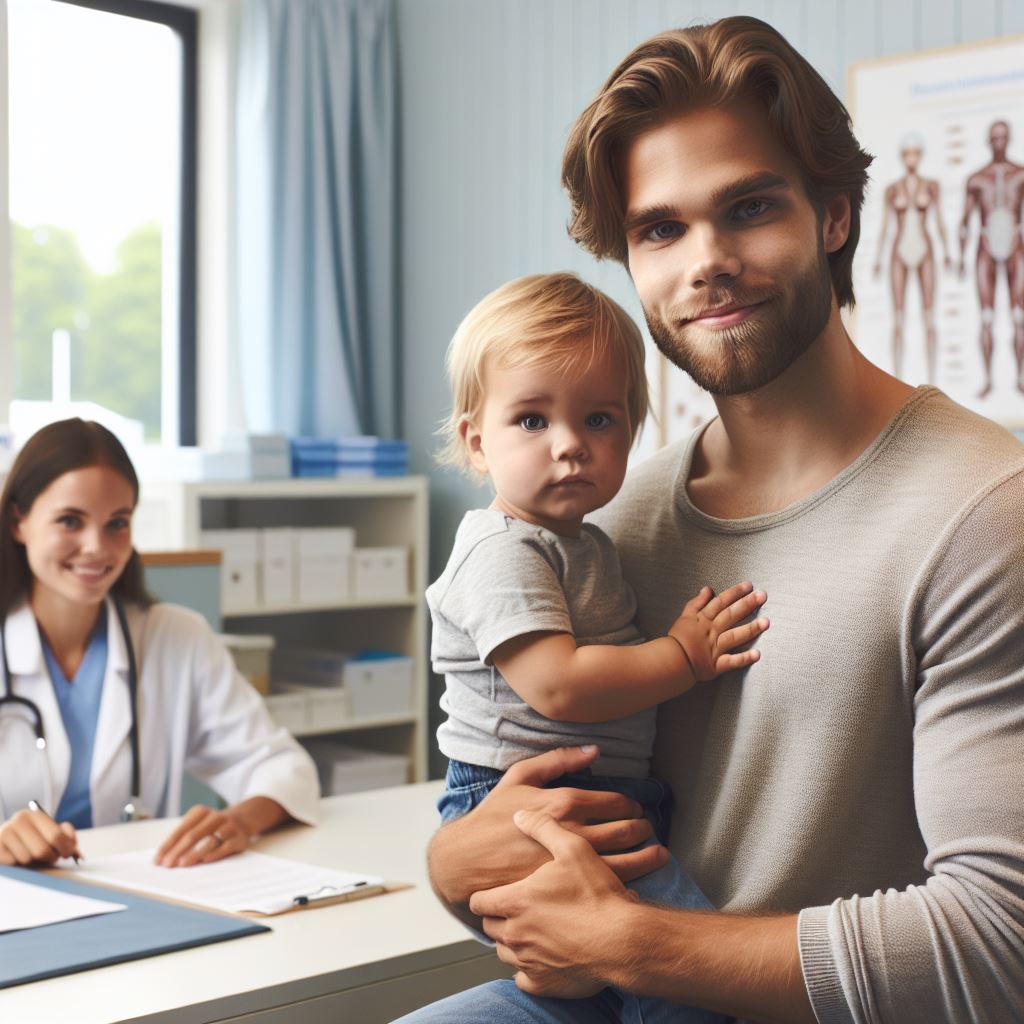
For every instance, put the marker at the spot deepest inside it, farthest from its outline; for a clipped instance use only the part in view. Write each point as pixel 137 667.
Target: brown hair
pixel 56 449
pixel 740 57
pixel 543 320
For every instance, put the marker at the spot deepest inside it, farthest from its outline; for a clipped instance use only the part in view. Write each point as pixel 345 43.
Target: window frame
pixel 184 21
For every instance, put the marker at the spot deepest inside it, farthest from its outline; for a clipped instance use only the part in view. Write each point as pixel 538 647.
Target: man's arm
pixel 951 949
pixel 572 922
pixel 485 849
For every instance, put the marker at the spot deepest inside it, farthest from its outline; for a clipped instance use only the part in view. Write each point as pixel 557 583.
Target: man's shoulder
pixel 941 463
pixel 657 475
pixel 940 436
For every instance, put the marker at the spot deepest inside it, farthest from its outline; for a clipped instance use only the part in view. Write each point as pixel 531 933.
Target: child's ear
pixel 472 438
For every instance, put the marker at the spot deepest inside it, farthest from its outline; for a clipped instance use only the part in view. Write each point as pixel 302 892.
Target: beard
pixel 735 360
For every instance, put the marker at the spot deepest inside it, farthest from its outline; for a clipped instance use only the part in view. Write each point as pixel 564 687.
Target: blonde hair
pixel 554 321
pixel 730 59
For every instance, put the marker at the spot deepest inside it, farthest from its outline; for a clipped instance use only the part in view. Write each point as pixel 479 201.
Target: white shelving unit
pixel 385 512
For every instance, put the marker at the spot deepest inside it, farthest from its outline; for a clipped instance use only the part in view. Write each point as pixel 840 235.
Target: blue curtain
pixel 314 222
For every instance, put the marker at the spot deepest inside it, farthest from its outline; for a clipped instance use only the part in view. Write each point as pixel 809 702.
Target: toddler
pixel 532 619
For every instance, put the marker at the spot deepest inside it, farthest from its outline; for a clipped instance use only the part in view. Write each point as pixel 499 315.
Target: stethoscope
pixel 134 809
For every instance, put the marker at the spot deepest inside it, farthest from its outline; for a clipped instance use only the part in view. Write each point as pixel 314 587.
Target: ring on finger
pixel 218 837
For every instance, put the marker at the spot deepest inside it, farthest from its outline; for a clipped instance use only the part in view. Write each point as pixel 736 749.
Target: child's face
pixel 555 449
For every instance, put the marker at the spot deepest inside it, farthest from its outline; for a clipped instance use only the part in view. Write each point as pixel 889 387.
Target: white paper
pixel 24 905
pixel 249 882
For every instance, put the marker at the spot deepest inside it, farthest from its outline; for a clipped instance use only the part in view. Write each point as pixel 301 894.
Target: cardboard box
pixel 270 456
pixel 324 564
pixel 380 573
pixel 310 666
pixel 380 685
pixel 239 577
pixel 324 541
pixel 326 707
pixel 325 580
pixel 277 566
pixel 288 709
pixel 344 768
pixel 251 654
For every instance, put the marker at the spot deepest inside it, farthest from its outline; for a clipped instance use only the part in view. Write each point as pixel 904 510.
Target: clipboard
pixel 356 892
pixel 146 928
pixel 249 883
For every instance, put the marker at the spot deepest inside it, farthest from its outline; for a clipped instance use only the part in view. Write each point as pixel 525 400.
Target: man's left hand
pixel 557 927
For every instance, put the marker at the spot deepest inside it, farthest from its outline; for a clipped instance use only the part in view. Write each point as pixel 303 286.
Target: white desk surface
pixel 308 955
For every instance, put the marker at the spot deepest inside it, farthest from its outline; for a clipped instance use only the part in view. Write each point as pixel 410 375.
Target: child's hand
pixel 706 630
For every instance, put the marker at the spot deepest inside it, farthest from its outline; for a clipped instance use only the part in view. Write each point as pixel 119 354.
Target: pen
pixel 352 892
pixel 35 805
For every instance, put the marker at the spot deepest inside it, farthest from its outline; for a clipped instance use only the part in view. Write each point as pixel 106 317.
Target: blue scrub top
pixel 79 702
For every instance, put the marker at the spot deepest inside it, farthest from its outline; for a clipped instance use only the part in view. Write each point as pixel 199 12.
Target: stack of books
pixel 349 456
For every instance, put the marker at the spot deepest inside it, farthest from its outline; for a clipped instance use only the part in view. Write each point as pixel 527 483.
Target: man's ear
pixel 471 439
pixel 835 224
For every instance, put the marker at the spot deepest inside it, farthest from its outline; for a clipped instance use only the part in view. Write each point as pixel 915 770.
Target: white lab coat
pixel 196 714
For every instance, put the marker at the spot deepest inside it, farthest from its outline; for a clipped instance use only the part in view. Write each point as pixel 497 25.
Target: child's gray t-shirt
pixel 506 578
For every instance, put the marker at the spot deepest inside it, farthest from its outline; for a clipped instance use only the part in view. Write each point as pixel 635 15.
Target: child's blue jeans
pixel 500 1002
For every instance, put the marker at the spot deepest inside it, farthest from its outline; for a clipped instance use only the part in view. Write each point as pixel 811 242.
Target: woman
pixel 107 698
pixel 910 200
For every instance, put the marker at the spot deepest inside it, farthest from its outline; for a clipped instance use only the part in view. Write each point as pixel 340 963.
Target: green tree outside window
pixel 114 319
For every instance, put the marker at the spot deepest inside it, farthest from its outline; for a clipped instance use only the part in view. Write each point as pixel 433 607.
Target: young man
pixel 856 806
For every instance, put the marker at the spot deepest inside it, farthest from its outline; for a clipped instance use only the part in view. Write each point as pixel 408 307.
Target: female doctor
pixel 107 697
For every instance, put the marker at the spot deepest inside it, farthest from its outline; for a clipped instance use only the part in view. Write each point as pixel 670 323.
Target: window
pixel 101 167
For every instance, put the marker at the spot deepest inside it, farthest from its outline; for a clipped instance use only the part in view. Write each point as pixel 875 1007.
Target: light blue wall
pixel 194 586
pixel 488 90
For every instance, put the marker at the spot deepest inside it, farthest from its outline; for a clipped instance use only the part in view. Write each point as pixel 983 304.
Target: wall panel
pixel 1011 18
pixel 938 23
pixel 790 18
pixel 823 41
pixel 979 19
pixel 897 26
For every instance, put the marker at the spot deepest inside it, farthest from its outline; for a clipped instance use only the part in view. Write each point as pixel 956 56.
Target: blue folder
pixel 146 928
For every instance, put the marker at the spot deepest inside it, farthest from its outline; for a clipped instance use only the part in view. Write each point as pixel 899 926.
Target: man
pixel 996 191
pixel 853 803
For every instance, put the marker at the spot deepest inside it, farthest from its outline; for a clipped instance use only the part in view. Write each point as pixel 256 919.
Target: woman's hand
pixel 33 837
pixel 204 835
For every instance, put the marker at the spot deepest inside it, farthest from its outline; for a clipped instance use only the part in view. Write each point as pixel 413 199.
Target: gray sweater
pixel 868 771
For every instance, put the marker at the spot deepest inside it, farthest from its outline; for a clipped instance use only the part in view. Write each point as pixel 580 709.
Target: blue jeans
pixel 500 1002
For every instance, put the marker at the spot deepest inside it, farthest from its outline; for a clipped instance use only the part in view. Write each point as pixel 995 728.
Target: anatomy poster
pixel 939 272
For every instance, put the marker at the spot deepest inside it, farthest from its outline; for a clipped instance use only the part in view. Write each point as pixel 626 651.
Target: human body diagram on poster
pixel 939 274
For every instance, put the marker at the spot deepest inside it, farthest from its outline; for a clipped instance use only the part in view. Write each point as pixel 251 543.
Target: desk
pixel 361 963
